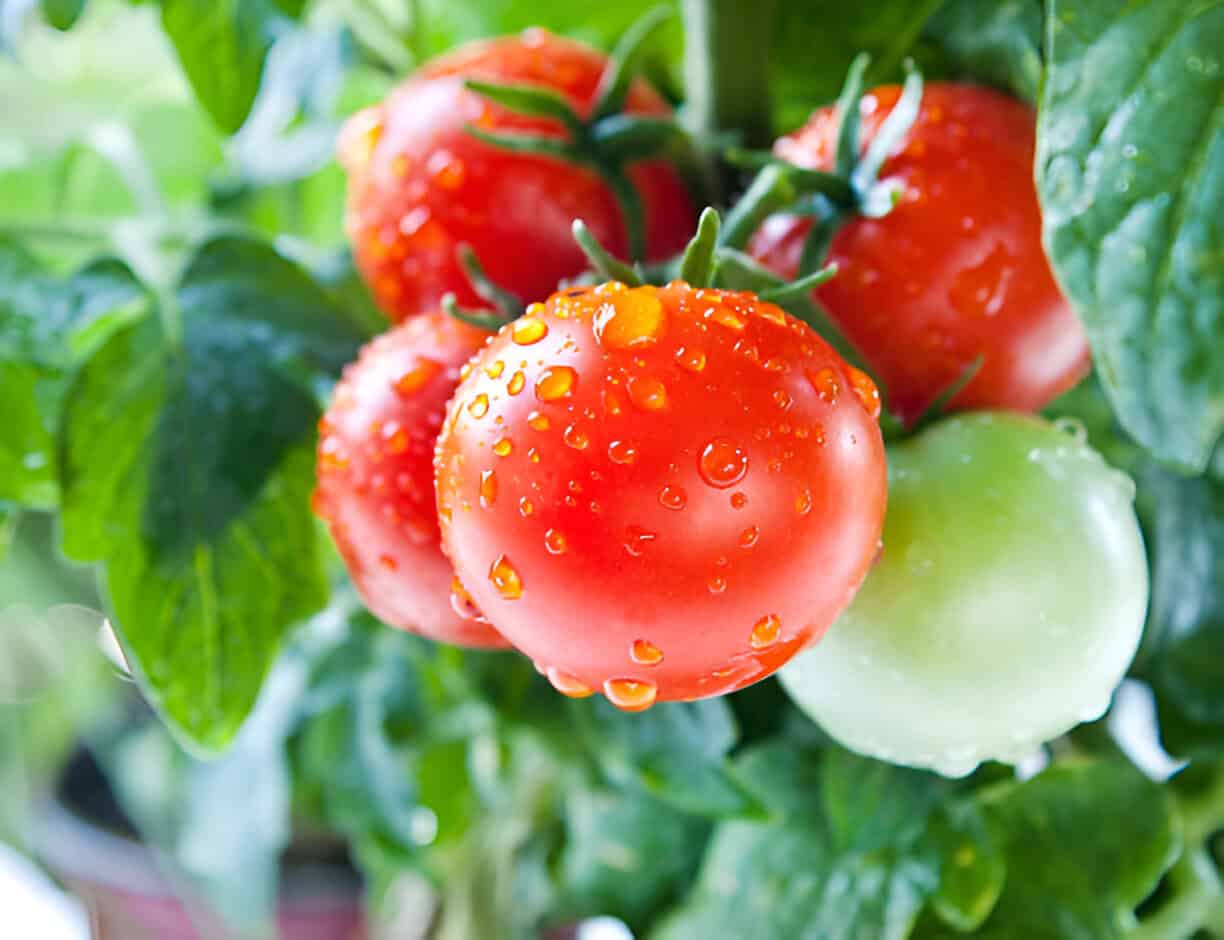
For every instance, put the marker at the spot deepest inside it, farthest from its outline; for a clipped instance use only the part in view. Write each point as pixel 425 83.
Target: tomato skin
pixel 420 185
pixel 1006 606
pixel 655 474
pixel 375 476
pixel 956 270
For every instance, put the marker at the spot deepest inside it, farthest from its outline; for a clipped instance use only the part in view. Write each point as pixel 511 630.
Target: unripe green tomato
pixel 1006 606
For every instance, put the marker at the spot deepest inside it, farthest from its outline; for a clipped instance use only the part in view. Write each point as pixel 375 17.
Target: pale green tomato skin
pixel 1005 608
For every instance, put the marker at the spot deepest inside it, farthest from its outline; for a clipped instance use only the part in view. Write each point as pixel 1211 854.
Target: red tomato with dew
pixel 956 270
pixel 660 492
pixel 375 477
pixel 420 185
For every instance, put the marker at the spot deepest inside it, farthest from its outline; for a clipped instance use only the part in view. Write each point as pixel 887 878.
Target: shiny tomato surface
pixel 660 493
pixel 956 270
pixel 375 477
pixel 420 185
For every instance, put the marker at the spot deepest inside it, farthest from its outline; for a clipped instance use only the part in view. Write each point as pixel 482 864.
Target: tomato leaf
pixel 1130 170
pixel 675 752
pixel 62 14
pixel 222 46
pixel 46 323
pixel 842 849
pixel 997 42
pixel 1183 652
pixel 186 458
pixel 1085 843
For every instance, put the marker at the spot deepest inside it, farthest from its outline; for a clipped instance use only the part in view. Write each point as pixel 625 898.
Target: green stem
pixel 1198 902
pixel 726 66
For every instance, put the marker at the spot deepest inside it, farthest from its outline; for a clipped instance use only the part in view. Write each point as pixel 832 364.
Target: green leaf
pixel 841 856
pixel 199 508
pixel 8 527
pixel 62 14
pixel 996 42
pixel 1183 652
pixel 222 46
pixel 1130 171
pixel 625 853
pixel 46 323
pixel 675 752
pixel 1084 842
pixel 973 870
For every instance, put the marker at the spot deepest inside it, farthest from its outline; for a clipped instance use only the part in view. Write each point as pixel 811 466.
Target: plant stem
pixel 726 66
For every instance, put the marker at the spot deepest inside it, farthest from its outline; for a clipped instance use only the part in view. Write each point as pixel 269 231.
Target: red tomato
pixel 660 493
pixel 956 270
pixel 375 477
pixel 420 184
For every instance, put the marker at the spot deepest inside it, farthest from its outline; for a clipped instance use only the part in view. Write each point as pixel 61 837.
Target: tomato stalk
pixel 726 67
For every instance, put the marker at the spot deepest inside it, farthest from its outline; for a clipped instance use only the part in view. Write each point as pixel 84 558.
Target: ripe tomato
pixel 663 493
pixel 1005 608
pixel 956 270
pixel 420 184
pixel 375 477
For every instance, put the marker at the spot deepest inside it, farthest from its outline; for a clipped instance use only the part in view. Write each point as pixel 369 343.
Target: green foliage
pixel 175 302
pixel 1130 169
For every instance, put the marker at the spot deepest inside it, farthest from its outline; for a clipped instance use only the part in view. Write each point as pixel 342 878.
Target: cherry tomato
pixel 660 493
pixel 1006 607
pixel 375 477
pixel 420 184
pixel 956 270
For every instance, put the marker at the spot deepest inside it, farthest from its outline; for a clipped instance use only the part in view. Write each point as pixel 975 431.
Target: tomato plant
pixel 655 458
pixel 954 277
pixel 976 637
pixel 421 185
pixel 254 251
pixel 375 490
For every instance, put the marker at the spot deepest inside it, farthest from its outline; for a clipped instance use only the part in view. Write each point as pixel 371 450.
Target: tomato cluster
pixel 666 492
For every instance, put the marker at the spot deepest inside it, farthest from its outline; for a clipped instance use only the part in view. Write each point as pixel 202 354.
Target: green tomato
pixel 1005 608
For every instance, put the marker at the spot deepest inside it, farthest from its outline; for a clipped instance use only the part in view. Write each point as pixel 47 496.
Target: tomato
pixel 375 477
pixel 660 493
pixel 420 184
pixel 1005 608
pixel 956 270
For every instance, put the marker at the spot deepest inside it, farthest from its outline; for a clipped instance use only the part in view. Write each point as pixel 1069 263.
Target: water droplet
pixel 506 578
pixel 388 562
pixel 826 384
pixel 717 584
pixel 516 383
pixel 533 455
pixel 417 377
pixel 525 507
pixel 622 452
pixel 865 391
pixel 576 438
pixel 1074 428
pixel 803 502
pixel 612 404
pixel 690 360
pixel 782 399
pixel 395 438
pixel 566 684
pixel 495 370
pixel 647 393
pixel 446 169
pixel 634 318
pixel 461 602
pixel 739 500
pixel 672 497
pixel 645 653
pixel 555 382
pixel 528 330
pixel 722 464
pixel 555 542
pixel 749 536
pixel 724 317
pixel 478 407
pixel 488 488
pixel 631 695
pixel 636 540
pixel 538 422
pixel 503 447
pixel 765 632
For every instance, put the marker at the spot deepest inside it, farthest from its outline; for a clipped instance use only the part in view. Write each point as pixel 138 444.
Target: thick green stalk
pixel 726 67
